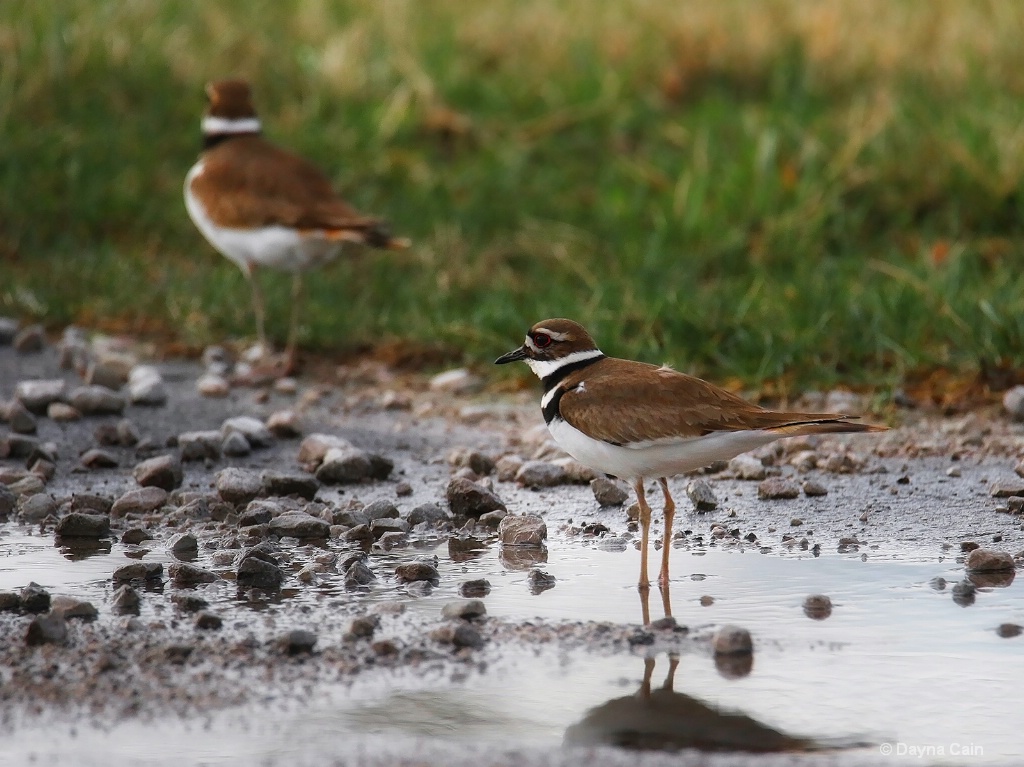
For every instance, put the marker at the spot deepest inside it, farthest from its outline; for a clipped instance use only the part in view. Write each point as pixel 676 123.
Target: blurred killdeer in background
pixel 635 421
pixel 260 205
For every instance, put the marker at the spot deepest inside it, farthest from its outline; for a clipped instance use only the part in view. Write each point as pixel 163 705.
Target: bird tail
pixel 828 424
pixel 374 234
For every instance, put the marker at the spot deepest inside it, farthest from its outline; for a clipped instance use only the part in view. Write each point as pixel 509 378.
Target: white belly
pixel 658 459
pixel 277 247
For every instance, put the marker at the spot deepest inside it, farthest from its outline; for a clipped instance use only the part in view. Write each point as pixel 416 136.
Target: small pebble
pixel 701 495
pixel 732 640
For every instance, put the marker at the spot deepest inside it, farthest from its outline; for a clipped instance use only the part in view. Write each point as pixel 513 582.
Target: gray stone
pixel 481 464
pixel 315 447
pixel 73 607
pixel 207 621
pixel 200 445
pixel 984 561
pixel 79 525
pixel 297 641
pixel 299 524
pixel 383 526
pixel 133 536
pixel 36 508
pixel 745 466
pixel 149 571
pixel 37 395
pixel 541 474
pixel 279 483
pixel 96 400
pixel 30 339
pixel 8 330
pixel 91 503
pixel 464 609
pixel 238 485
pixel 492 518
pixel 213 385
pixel 253 429
pixel 110 369
pixel 183 543
pixel 359 574
pixel 467 498
pixel 235 445
pixel 284 424
pixel 777 488
pixel 27 485
pixel 732 640
pixel 380 466
pixel 258 512
pixel 607 492
pixel 1013 403
pixel 1019 469
pixel 125 600
pixel 99 458
pixel 254 572
pixel 576 472
pixel 817 607
pixel 460 635
pixel 538 581
pixel 185 574
pixel 458 381
pixel 34 598
pixel 359 533
pixel 1006 488
pixel 479 587
pixel 141 501
pixel 417 571
pixel 701 495
pixel 382 508
pixel 364 626
pixel 1009 630
pixel 61 412
pixel 814 489
pixel 20 419
pixel 524 530
pixel 190 603
pixel 8 501
pixel 9 602
pixel 428 513
pixel 508 466
pixel 146 386
pixel 343 465
pixel 162 471
pixel 47 629
pixel 349 517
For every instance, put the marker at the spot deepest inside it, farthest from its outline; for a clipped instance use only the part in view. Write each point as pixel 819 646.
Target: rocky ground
pixel 268 536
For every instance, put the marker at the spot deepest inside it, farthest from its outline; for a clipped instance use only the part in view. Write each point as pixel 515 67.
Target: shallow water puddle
pixel 899 661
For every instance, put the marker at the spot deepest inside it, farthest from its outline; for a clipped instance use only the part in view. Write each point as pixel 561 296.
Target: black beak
pixel 513 356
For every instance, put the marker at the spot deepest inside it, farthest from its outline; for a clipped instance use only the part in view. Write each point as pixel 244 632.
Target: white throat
pixel 544 368
pixel 213 125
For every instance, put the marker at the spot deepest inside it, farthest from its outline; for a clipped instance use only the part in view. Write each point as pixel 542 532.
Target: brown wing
pixel 623 402
pixel 250 182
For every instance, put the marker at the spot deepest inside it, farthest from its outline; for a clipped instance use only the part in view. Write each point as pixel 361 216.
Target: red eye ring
pixel 542 340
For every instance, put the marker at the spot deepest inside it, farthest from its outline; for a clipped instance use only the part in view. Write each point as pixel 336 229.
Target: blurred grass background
pixel 805 191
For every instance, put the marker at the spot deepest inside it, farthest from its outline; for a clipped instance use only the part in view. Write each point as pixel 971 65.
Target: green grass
pixel 791 190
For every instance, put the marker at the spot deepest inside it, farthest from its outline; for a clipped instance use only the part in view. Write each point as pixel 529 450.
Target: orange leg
pixel 645 532
pixel 670 680
pixel 670 513
pixel 257 307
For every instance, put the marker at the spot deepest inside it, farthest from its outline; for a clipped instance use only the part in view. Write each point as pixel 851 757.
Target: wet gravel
pixel 257 517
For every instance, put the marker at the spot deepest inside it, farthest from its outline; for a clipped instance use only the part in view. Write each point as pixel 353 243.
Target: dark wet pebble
pixel 18 445
pixel 968 546
pixel 73 607
pixel 284 424
pixel 146 386
pixel 1006 488
pixel 190 603
pixel 403 489
pixel 465 609
pixel 34 598
pixel 817 607
pixel 364 626
pixel 468 499
pixel 140 501
pixel 8 330
pixel 668 623
pixel 91 504
pixel 345 465
pixel 538 581
pixel 162 471
pixel 747 467
pixel 358 574
pixel 964 593
pixel 522 530
pixel 36 508
pixel 258 512
pixel 359 533
pixel 777 488
pixel 732 640
pixel 135 535
pixel 283 484
pixel 254 430
pixel 541 474
pixel 177 653
pixel 417 571
pixel 1009 630
pixel 299 524
pixel 185 574
pixel 199 445
pixel 139 571
pixel 208 621
pixel 297 641
pixel 701 495
pixel 126 600
pixel 608 492
pixel 984 560
pixel 99 458
pixel 10 601
pixel 492 519
pixel 459 635
pixel 96 400
pixel 707 601
pixel 478 462
pixel 235 445
pixel 183 543
pixel 429 513
pixel 640 638
pixel 8 501
pixel 30 339
pixel 382 527
pixel 254 572
pixel 79 525
pixel 19 419
pixel 349 517
pixel 238 485
pixel 50 628
pixel 479 587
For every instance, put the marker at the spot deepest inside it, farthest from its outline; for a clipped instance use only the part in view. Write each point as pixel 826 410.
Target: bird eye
pixel 542 340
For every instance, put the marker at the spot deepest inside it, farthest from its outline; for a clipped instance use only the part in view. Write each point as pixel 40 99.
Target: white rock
pixel 1013 403
pixel 458 381
pixel 213 385
pixel 747 467
pixel 253 429
pixel 146 386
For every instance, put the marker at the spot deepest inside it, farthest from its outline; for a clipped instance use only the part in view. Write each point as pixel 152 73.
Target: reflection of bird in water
pixel 667 720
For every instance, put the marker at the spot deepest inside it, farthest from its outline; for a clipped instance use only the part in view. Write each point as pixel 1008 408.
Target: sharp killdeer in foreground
pixel 260 205
pixel 635 421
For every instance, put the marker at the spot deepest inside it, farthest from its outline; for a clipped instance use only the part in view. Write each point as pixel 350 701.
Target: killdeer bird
pixel 637 421
pixel 262 206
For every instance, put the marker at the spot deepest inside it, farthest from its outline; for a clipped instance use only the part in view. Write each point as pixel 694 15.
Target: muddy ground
pixel 149 684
